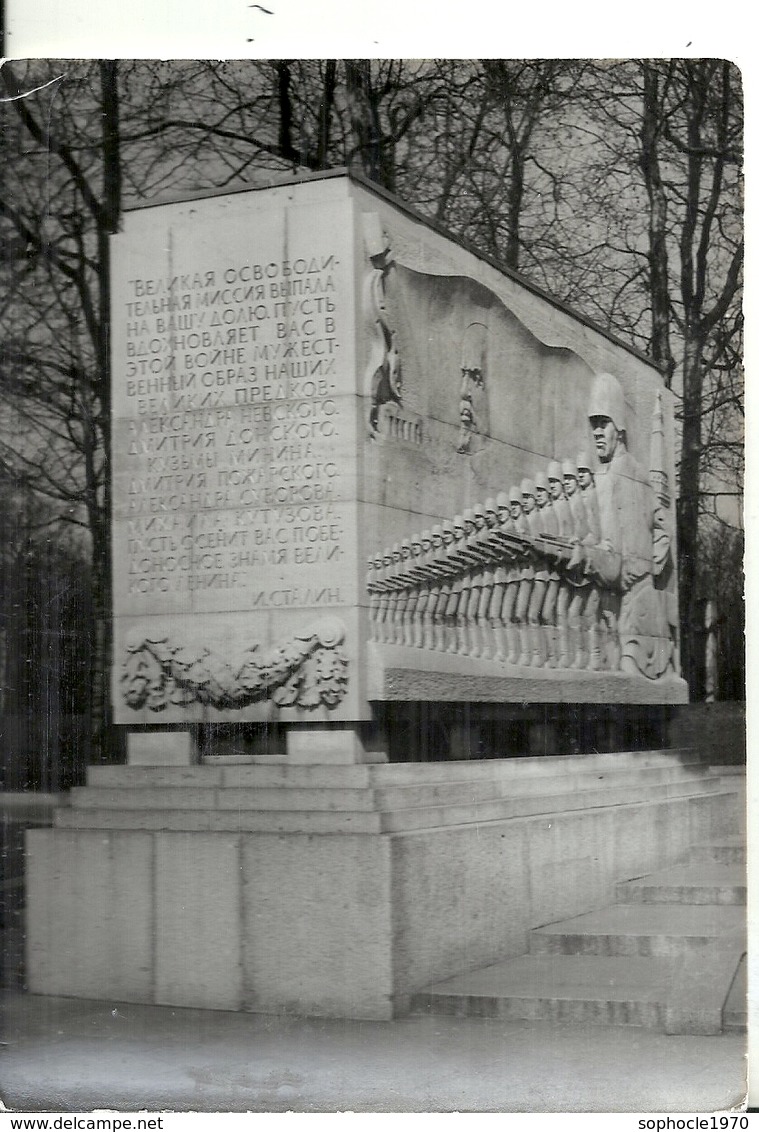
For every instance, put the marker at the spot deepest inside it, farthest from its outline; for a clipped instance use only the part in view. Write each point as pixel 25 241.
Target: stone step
pixel 732 781
pixel 687 884
pixel 670 765
pixel 162 798
pixel 729 851
pixel 239 775
pixel 194 809
pixel 403 796
pixel 195 793
pixel 544 766
pixel 243 798
pixel 735 1013
pixel 229 820
pixel 430 817
pixel 557 988
pixel 659 931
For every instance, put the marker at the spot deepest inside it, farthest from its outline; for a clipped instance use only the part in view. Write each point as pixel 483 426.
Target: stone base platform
pixel 399 673
pixel 342 890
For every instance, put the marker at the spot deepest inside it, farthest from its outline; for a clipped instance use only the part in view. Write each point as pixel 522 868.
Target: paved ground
pixel 75 1055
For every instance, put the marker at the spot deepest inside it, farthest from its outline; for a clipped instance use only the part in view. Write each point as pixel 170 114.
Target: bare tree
pixel 680 123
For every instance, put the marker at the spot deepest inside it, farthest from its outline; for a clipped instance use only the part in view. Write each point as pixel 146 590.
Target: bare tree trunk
pixel 325 113
pixel 514 206
pixel 657 223
pixel 690 483
pixel 99 506
pixel 284 85
pixel 365 154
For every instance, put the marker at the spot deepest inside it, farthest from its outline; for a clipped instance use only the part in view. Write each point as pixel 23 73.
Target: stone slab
pixel 134 777
pixel 479 813
pixel 511 771
pixel 332 746
pixel 616 788
pixel 568 988
pixel 735 1013
pixel 312 799
pixel 160 748
pixel 563 977
pixel 307 777
pixel 461 900
pixel 198 941
pixel 403 796
pixel 144 798
pixel 548 766
pixel 703 983
pixel 319 925
pixel 336 809
pixel 656 930
pixel 727 852
pixel 341 813
pixel 90 913
pixel 348 788
pixel 297 821
pixel 692 884
pixel 713 819
pixel 220 760
pixel 272 821
pixel 397 673
pixel 132 819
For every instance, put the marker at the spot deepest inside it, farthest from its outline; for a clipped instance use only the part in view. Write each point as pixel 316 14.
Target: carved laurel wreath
pixel 308 670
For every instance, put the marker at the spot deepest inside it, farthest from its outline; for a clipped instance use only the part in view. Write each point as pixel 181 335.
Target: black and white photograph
pixel 372 616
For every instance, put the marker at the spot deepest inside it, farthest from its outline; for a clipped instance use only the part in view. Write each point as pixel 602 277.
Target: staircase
pixel 669 956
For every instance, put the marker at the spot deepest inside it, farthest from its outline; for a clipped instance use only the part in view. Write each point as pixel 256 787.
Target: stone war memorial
pixel 361 475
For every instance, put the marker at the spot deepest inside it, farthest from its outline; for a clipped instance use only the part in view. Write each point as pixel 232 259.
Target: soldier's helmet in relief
pixel 608 400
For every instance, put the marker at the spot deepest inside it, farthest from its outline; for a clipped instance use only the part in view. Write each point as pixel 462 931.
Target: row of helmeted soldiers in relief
pixel 506 580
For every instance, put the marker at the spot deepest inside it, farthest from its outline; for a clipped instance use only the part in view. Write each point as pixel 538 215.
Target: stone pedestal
pixel 339 890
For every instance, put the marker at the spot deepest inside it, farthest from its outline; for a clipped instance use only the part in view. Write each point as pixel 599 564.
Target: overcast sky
pixel 410 28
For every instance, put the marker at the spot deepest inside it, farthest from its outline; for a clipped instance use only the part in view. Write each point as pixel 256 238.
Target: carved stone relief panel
pixel 323 410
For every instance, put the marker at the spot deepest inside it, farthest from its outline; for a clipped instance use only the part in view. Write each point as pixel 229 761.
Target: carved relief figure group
pixel 560 572
pixel 495 582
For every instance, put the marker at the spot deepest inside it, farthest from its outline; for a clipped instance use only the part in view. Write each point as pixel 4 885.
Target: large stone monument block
pixel 354 462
